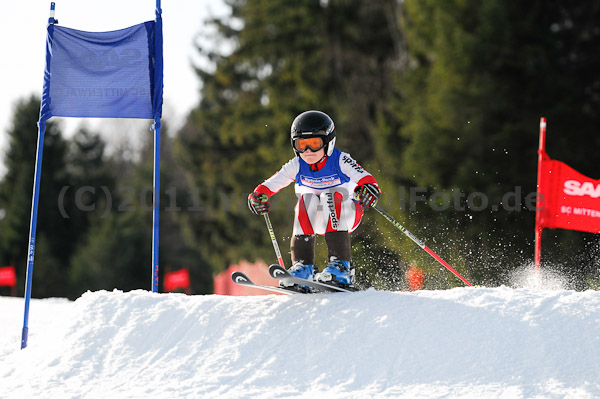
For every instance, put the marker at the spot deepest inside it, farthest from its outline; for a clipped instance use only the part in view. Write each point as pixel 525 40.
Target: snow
pixel 459 343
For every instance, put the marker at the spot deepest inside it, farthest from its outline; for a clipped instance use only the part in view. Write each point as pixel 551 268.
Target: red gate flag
pixel 177 279
pixel 8 276
pixel 569 200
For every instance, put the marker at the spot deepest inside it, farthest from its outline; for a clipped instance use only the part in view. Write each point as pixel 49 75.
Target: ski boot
pixel 337 272
pixel 302 271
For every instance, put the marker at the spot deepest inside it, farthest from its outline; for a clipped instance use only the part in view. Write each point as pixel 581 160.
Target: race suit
pixel 325 193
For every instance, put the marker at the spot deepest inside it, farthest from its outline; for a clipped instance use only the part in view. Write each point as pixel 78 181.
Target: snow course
pixel 459 343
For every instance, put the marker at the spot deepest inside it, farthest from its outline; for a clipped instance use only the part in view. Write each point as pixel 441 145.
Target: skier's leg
pixel 302 245
pixel 338 245
pixel 340 212
pixel 343 217
pixel 308 218
pixel 302 248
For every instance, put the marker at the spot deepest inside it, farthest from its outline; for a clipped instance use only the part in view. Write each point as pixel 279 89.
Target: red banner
pixel 177 279
pixel 571 200
pixel 568 200
pixel 8 276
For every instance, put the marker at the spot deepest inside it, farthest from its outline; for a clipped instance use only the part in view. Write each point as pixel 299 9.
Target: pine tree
pixel 482 74
pixel 53 230
pixel 116 251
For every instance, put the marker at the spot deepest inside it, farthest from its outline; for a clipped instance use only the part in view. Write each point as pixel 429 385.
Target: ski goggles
pixel 314 143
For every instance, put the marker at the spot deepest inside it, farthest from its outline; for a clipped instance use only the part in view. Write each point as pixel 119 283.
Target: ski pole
pixel 419 243
pixel 274 240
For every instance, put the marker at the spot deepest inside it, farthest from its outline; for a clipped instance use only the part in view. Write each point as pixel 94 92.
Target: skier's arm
pixel 258 201
pixel 367 191
pixel 283 178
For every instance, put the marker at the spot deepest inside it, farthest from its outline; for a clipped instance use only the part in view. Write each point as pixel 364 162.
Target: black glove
pixel 367 195
pixel 258 203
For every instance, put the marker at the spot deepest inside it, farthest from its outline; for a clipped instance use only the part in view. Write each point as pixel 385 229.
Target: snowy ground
pixel 460 343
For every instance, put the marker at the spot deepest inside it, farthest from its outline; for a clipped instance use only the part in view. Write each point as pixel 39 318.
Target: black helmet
pixel 314 124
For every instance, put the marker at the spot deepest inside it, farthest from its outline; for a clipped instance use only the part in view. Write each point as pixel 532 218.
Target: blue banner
pixel 103 74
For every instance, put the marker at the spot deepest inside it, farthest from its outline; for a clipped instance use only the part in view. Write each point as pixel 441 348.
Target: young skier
pixel 332 190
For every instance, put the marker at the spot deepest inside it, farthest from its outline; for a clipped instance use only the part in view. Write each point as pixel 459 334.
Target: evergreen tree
pixel 482 74
pixel 91 176
pixel 117 251
pixel 178 202
pixel 116 254
pixel 53 230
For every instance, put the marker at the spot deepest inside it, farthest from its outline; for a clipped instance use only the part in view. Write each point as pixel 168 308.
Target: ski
pixel 241 279
pixel 281 274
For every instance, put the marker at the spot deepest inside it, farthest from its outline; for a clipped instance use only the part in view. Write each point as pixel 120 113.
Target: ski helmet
pixel 314 124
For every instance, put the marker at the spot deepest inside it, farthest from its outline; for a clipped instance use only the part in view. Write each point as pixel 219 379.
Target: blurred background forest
pixel 438 99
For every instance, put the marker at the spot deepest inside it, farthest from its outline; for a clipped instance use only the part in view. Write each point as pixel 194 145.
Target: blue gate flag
pixel 103 74
pixel 117 74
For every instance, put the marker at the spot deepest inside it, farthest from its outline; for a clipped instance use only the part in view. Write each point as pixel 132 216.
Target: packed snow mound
pixel 459 343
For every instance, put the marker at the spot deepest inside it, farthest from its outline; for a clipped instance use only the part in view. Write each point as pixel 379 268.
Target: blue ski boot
pixel 339 272
pixel 302 271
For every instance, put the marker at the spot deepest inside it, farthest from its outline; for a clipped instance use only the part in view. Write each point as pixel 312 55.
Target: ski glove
pixel 367 195
pixel 258 203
